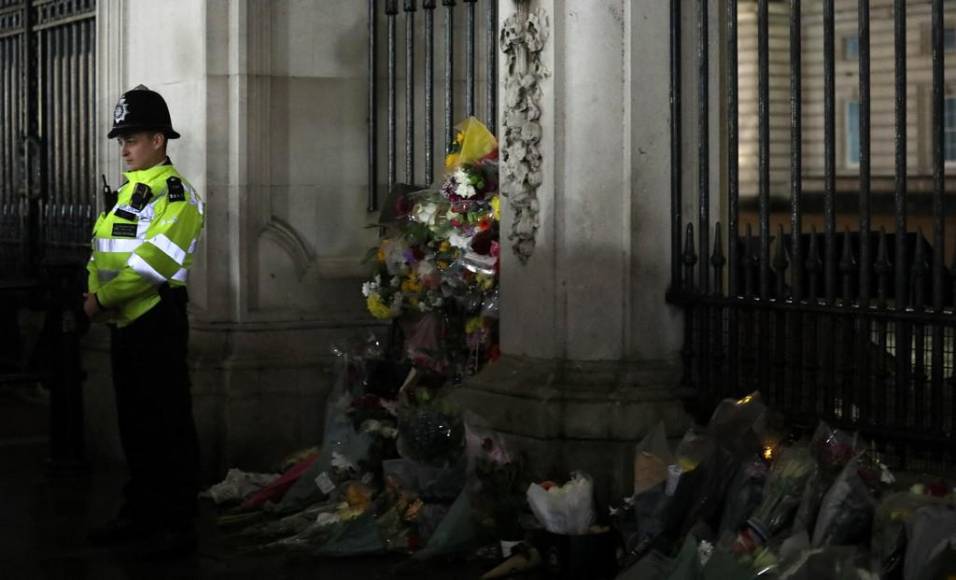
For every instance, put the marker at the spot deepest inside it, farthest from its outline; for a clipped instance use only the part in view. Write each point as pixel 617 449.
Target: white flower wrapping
pixel 566 509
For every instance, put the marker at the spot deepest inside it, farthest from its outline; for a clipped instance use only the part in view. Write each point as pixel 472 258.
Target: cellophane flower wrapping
pixel 832 449
pixel 846 512
pixel 566 509
pixel 782 495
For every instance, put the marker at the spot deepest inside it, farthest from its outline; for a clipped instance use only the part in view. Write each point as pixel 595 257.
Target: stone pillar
pixel 590 347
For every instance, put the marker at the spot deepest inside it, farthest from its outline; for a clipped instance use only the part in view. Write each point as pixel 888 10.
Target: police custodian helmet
pixel 140 109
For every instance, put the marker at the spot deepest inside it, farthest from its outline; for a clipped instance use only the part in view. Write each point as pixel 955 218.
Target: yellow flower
pixel 442 265
pixel 411 285
pixel 451 160
pixel 444 246
pixel 496 207
pixel 473 325
pixel 380 255
pixel 485 282
pixel 377 307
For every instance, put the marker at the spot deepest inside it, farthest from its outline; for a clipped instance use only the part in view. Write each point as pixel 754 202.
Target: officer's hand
pixel 90 306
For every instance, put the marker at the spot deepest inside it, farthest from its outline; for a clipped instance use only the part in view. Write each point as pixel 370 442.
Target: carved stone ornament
pixel 523 36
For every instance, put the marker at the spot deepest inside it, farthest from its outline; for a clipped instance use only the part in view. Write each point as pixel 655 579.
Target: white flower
pixel 459 241
pixel 369 288
pixel 425 213
pixel 465 190
pixel 461 176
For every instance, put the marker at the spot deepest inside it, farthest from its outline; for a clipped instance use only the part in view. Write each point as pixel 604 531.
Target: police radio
pixel 109 195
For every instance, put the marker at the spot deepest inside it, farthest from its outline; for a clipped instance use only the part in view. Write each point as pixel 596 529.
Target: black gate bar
pixel 429 7
pixel 491 64
pixel 449 73
pixel 470 59
pixel 371 202
pixel 829 114
pixel 939 187
pixel 676 144
pixel 391 12
pixel 410 91
pixel 703 143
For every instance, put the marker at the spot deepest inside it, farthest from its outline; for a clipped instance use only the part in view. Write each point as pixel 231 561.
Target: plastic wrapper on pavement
pixel 651 458
pixel 846 512
pixel 744 494
pixel 734 418
pixel 456 532
pixel 427 481
pixel 838 562
pixel 339 439
pixel 277 488
pixel 357 537
pixel 832 449
pixel 238 485
pixel 782 494
pixel 699 498
pixel 889 528
pixel 566 509
pixel 931 533
pixel 431 430
pixel 496 481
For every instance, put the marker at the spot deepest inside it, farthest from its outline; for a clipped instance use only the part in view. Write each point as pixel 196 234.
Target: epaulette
pixel 175 190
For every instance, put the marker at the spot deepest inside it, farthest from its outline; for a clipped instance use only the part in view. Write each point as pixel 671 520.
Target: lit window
pixel 853 132
pixel 949 129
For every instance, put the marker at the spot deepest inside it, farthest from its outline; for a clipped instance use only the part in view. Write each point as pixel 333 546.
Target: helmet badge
pixel 121 110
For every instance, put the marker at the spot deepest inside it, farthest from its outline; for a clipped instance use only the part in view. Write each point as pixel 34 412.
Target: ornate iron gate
pixel 47 203
pixel 857 328
pixel 47 148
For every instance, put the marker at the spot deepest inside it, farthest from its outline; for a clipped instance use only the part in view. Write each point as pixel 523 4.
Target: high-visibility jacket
pixel 147 239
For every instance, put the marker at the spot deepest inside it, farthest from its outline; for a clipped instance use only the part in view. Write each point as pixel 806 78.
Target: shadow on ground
pixel 44 519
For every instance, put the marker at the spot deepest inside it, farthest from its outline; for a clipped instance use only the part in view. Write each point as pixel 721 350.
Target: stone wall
pixel 269 97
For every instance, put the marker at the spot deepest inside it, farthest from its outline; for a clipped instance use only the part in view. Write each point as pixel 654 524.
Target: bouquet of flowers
pixel 785 484
pixel 436 269
pixel 832 449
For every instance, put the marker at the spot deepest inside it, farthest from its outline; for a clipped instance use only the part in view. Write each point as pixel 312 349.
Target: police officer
pixel 143 247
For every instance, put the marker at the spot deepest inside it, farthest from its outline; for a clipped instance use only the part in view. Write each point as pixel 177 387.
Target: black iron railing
pixel 456 104
pixel 854 324
pixel 47 203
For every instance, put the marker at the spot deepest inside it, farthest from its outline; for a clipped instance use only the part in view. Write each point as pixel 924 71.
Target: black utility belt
pixel 174 294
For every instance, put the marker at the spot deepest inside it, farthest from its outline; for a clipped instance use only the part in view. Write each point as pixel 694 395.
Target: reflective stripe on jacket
pixel 139 246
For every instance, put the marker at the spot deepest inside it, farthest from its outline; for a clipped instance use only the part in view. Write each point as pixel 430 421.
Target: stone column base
pixel 569 415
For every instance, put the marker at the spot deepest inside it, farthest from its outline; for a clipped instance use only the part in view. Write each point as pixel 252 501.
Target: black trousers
pixel 154 407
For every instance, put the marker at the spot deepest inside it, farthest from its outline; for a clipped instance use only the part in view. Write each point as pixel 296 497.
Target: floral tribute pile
pixel 436 266
pixel 400 468
pixel 736 500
